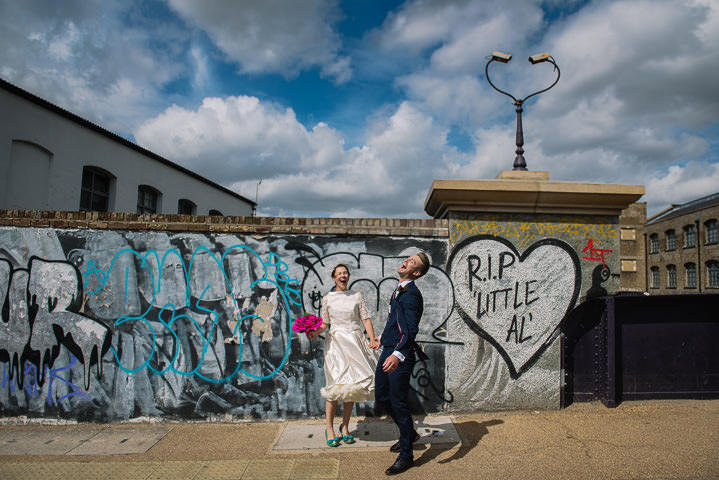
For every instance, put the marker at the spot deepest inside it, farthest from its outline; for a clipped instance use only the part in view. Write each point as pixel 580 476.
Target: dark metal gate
pixel 631 347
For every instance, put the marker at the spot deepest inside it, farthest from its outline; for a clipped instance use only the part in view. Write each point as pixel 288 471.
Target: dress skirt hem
pixel 353 392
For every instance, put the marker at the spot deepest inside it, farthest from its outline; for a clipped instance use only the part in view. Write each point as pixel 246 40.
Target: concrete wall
pixel 114 317
pixel 43 150
pixel 516 276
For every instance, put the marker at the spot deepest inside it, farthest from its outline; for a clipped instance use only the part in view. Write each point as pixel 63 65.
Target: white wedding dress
pixel 349 362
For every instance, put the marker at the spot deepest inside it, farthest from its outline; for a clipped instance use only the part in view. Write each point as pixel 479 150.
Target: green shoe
pixel 332 442
pixel 347 438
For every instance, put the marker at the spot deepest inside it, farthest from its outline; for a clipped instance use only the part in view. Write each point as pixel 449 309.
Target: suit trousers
pixel 391 393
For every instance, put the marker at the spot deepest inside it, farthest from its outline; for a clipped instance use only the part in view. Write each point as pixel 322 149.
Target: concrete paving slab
pixel 43 442
pixel 316 469
pixel 176 470
pixel 301 469
pixel 121 441
pixel 223 470
pixel 368 434
pixel 269 469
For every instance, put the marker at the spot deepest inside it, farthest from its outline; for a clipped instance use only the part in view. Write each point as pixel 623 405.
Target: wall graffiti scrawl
pixel 516 301
pixel 108 325
pixel 41 314
pixel 376 277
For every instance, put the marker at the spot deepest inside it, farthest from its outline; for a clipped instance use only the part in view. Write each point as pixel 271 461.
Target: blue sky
pixel 352 108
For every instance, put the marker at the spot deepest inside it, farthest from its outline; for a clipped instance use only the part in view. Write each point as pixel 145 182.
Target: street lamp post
pixel 257 193
pixel 519 162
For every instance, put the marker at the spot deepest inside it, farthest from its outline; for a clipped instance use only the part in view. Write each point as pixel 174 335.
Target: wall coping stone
pixel 414 227
pixel 528 192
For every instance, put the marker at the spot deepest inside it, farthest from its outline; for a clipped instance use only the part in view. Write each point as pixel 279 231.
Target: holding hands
pixel 374 343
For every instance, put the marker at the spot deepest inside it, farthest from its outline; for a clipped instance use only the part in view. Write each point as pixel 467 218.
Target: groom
pixel 398 357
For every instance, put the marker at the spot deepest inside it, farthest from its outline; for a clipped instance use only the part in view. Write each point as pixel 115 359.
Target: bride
pixel 350 360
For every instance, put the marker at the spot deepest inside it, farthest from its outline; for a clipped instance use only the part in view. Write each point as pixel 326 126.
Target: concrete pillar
pixel 523 252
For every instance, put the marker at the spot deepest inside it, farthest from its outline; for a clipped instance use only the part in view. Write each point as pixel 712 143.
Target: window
pixel 711 229
pixel 186 207
pixel 653 243
pixel 671 276
pixel 654 280
pixel 691 275
pixel 713 274
pixel 671 240
pixel 26 182
pixel 216 213
pixel 147 199
pixel 95 191
pixel 690 236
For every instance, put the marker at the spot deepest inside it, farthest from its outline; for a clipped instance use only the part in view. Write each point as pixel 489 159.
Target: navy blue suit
pixel 392 389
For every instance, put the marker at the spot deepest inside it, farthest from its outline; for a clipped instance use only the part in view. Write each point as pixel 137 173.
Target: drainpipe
pixel 699 255
pixel 646 264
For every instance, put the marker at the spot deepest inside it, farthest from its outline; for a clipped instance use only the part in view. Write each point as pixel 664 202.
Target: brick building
pixel 682 244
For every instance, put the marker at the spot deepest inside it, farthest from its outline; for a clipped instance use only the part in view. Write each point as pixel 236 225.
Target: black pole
pixel 519 162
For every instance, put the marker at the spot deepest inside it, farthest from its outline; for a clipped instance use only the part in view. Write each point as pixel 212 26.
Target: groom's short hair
pixel 425 263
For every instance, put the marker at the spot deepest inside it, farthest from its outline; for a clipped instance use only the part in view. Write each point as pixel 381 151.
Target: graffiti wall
pixel 107 325
pixel 516 277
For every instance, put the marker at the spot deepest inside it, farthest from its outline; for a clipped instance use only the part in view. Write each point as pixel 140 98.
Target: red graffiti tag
pixel 595 254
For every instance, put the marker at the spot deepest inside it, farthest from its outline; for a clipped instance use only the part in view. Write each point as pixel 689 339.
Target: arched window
pixel 214 212
pixel 27 178
pixel 713 274
pixel 671 240
pixel 186 207
pixel 690 236
pixel 654 278
pixel 653 243
pixel 148 199
pixel 671 276
pixel 95 191
pixel 711 231
pixel 690 279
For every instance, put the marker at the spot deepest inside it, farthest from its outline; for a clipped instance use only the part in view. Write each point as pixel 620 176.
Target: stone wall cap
pixel 529 196
pixel 523 175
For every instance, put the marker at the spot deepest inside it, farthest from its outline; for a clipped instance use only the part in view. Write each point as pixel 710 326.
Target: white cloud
pixel 272 36
pixel 680 184
pixel 637 102
pixel 81 56
pixel 238 140
pixel 636 96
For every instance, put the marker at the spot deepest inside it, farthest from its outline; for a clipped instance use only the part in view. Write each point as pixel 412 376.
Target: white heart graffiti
pixel 515 301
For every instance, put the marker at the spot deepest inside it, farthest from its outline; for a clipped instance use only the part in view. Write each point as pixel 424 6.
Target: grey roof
pixel 684 208
pixel 112 136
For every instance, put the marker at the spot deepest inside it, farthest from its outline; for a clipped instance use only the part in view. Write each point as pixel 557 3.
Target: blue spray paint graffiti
pixel 32 386
pixel 275 274
pixel 179 324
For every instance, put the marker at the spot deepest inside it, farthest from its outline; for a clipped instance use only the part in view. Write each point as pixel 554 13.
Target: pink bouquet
pixel 306 323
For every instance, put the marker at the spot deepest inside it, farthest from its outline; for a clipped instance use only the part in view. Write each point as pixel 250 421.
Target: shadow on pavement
pixel 471 432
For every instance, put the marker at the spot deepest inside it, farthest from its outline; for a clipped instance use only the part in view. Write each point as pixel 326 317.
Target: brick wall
pixel 207 223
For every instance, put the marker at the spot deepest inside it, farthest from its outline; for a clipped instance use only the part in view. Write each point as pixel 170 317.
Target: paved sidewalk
pixel 668 439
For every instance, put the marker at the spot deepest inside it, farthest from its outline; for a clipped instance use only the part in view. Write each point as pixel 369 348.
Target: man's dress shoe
pixel 399 466
pixel 396 448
